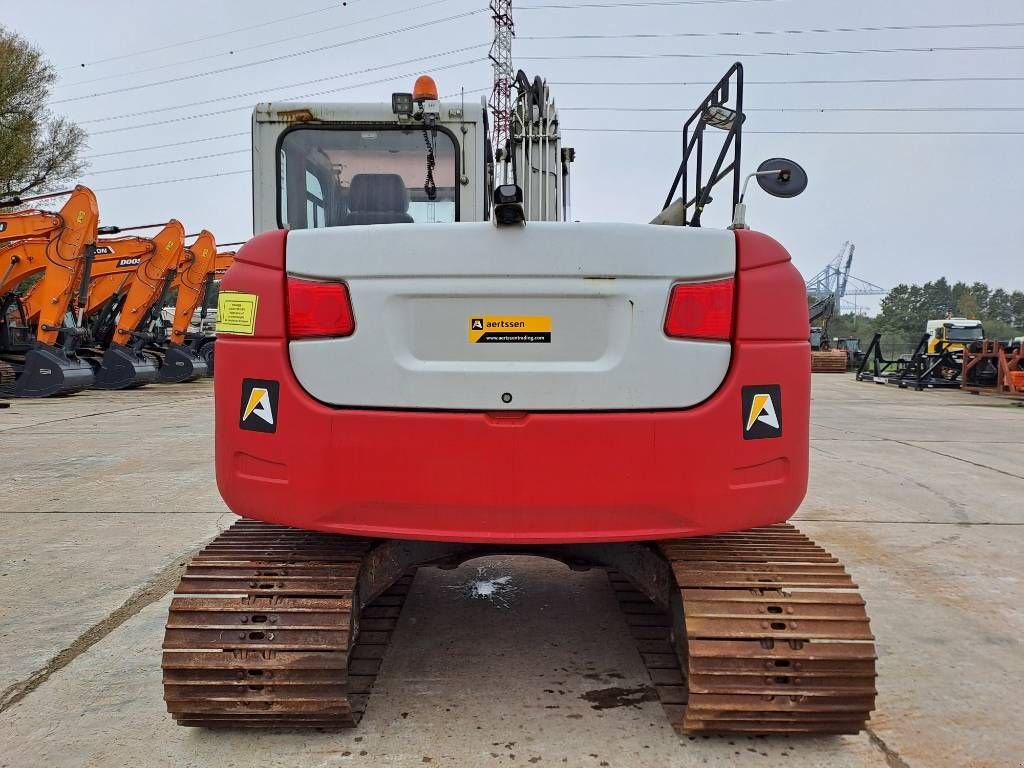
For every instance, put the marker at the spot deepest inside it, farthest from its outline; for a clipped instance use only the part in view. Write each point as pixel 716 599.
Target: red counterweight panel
pixel 527 478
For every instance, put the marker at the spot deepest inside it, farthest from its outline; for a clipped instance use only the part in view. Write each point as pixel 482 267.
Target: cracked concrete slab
pixel 944 606
pixel 62 573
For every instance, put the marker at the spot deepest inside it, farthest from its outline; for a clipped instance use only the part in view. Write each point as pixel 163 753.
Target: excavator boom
pixel 22 224
pixel 197 266
pixel 48 369
pixel 124 363
pixel 115 262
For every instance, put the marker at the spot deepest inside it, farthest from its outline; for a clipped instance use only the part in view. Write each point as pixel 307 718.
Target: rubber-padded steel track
pixel 774 637
pixel 260 633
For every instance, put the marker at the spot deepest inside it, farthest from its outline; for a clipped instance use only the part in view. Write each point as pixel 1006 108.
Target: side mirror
pixel 780 177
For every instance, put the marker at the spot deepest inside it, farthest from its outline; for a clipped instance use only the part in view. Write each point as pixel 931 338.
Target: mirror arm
pixel 739 216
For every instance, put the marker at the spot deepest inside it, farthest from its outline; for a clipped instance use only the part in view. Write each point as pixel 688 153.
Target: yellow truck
pixel 953 334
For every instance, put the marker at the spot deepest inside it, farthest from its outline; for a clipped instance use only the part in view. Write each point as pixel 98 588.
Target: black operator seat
pixel 378 198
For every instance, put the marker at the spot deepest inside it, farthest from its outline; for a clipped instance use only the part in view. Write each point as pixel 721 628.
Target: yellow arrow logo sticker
pixel 259 405
pixel 762 409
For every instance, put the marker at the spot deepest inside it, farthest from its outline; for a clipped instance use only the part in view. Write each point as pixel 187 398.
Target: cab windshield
pixel 339 177
pixel 974 333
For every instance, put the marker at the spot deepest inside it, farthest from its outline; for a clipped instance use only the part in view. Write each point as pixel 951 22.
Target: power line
pixel 180 43
pixel 173 181
pixel 263 91
pixel 798 109
pixel 771 32
pixel 165 146
pixel 674 131
pixel 806 133
pixel 196 75
pixel 749 54
pixel 268 43
pixel 631 109
pixel 171 162
pixel 858 81
pixel 229 110
pixel 243 133
pixel 646 3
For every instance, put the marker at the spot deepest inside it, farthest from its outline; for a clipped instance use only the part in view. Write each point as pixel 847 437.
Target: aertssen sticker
pixel 510 329
pixel 259 405
pixel 762 411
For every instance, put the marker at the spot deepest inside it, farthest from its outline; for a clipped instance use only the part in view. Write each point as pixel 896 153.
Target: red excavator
pixel 421 362
pixel 54 247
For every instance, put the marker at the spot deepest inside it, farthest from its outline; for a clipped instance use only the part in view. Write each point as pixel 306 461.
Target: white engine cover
pixel 601 290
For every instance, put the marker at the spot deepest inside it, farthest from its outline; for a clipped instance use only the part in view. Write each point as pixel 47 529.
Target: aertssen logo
pixel 259 405
pixel 762 411
pixel 507 329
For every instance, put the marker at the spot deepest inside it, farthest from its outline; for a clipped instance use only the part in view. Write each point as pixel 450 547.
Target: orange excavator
pixel 58 247
pixel 182 361
pixel 205 341
pixel 129 277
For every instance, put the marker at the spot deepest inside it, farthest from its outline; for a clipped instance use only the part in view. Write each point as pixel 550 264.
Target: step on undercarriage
pixel 274 627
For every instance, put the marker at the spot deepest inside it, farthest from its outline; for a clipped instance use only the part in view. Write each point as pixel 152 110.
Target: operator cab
pixel 953 333
pixel 416 160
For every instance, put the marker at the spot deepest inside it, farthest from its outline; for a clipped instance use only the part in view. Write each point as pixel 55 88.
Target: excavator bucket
pixel 181 364
pixel 52 371
pixel 125 368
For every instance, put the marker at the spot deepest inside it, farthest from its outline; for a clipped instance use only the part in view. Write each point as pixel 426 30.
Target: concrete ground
pixel 104 495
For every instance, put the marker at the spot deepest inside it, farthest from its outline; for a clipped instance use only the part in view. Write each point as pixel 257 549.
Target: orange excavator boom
pixel 124 363
pixel 18 225
pixel 192 281
pixel 61 256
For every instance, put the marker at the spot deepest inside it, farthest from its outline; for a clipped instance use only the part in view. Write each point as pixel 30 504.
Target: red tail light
pixel 316 310
pixel 700 310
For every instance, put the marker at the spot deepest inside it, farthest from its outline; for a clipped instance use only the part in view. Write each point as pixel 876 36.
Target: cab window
pixel 346 176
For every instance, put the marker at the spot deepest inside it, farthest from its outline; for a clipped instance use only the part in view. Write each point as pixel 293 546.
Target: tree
pixel 1000 307
pixel 38 150
pixel 967 305
pixel 906 309
pixel 1017 302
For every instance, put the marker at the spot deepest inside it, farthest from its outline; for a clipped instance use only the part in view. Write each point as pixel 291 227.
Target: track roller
pixel 181 364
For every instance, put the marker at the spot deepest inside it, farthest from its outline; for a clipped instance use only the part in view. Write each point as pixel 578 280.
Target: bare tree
pixel 38 150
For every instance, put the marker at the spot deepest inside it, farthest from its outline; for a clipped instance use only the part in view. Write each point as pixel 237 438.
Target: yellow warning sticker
pixel 510 329
pixel 236 313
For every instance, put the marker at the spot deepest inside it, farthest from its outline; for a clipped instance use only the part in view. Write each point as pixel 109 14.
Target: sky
pixel 924 172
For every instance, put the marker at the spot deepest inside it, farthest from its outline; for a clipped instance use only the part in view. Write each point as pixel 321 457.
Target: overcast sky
pixel 935 199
